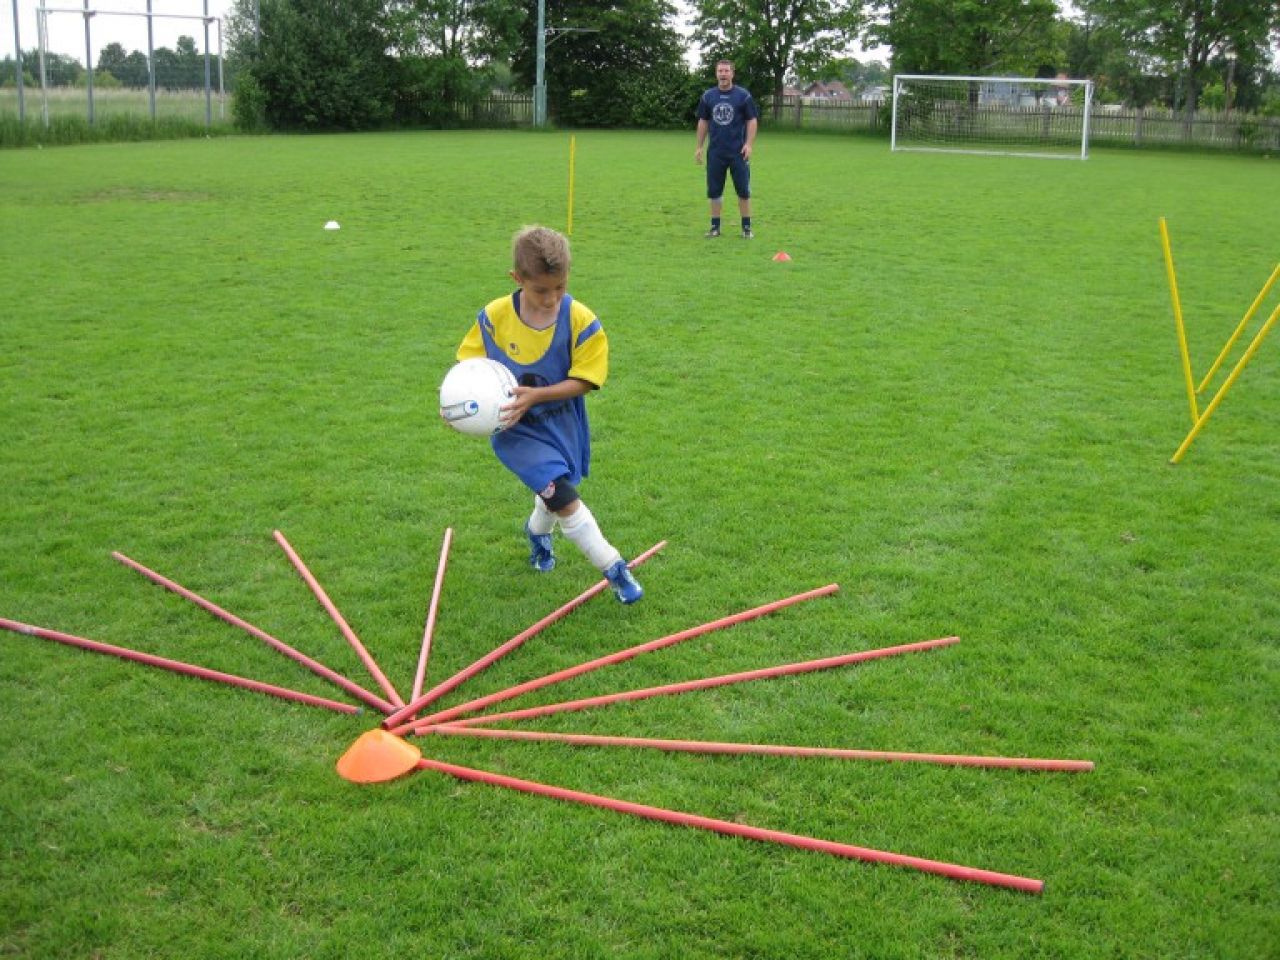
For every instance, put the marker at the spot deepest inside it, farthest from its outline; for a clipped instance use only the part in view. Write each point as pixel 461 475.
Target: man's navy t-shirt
pixel 727 113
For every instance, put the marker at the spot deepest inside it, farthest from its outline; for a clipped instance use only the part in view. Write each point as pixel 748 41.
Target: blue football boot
pixel 624 584
pixel 540 556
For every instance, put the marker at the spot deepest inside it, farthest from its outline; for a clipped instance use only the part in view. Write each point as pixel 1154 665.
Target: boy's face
pixel 540 296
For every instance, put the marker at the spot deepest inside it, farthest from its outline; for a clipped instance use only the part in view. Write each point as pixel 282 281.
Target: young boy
pixel 558 352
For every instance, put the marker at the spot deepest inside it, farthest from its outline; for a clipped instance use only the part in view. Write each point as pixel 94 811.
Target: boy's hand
pixel 525 397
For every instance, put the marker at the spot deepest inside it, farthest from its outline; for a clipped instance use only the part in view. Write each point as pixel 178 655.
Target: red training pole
pixel 758 749
pixel 688 685
pixel 177 666
pixel 570 672
pixel 421 675
pixel 951 870
pixel 315 666
pixel 496 654
pixel 370 664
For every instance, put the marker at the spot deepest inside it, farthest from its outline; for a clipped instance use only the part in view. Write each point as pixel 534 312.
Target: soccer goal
pixel 1016 116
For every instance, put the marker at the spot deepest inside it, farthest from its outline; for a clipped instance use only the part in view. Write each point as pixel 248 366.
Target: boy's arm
pixel 472 344
pixel 527 397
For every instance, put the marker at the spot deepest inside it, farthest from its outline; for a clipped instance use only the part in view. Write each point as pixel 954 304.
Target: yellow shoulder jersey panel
pixel 590 346
pixel 587 343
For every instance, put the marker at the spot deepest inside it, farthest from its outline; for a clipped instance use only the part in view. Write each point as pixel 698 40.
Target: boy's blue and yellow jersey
pixel 552 440
pixel 525 349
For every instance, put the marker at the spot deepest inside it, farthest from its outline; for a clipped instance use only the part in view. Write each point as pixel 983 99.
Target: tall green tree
pixel 447 52
pixel 1184 37
pixel 1100 52
pixel 320 64
pixel 608 62
pixel 969 37
pixel 474 31
pixel 60 69
pixel 770 40
pixel 129 68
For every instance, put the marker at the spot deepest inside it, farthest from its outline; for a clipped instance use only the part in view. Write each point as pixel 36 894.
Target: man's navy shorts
pixel 732 163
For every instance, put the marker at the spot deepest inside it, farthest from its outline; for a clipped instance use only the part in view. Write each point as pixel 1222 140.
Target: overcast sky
pixel 66 30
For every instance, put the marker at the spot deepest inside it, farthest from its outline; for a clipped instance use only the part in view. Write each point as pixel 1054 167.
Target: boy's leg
pixel 580 527
pixel 539 527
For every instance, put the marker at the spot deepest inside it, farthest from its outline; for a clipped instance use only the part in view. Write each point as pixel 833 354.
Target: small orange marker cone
pixel 781 256
pixel 378 756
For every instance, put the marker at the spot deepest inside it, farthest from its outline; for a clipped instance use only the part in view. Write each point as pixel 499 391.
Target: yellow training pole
pixel 573 150
pixel 1231 342
pixel 1177 317
pixel 1222 391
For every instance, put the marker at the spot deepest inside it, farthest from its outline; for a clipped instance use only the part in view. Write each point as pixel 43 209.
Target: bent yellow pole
pixel 1222 391
pixel 1177 318
pixel 1231 341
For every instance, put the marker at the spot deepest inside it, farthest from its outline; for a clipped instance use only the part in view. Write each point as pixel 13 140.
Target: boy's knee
pixel 559 494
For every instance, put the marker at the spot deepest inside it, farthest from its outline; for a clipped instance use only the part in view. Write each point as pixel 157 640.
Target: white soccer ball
pixel 473 394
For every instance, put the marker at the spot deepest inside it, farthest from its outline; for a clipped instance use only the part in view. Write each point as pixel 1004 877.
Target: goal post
pixel 1006 116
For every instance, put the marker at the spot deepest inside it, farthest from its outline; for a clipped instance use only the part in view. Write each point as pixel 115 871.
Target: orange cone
pixel 781 256
pixel 377 756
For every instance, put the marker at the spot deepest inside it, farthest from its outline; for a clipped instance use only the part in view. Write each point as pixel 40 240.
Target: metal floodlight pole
pixel 540 80
pixel 208 78
pixel 88 58
pixel 222 90
pixel 151 61
pixel 17 46
pixel 570 672
pixel 42 40
pixel 177 666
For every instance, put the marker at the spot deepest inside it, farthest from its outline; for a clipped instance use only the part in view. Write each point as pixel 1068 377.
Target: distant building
pixel 828 90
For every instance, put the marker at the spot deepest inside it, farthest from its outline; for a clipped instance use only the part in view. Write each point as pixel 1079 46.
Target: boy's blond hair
pixel 536 251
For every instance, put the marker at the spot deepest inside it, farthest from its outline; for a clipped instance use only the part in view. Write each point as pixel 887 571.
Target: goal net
pixel 994 115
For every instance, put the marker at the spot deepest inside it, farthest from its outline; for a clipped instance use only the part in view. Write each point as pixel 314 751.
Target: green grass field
pixel 958 401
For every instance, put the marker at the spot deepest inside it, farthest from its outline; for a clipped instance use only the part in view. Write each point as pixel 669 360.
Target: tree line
pixel 358 64
pixel 182 68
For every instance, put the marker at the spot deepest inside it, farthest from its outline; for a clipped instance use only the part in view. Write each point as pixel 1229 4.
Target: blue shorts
pixel 732 163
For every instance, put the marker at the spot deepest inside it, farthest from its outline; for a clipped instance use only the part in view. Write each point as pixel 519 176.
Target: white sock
pixel 542 520
pixel 581 528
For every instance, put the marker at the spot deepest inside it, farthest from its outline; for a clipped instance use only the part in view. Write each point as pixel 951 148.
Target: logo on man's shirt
pixel 722 113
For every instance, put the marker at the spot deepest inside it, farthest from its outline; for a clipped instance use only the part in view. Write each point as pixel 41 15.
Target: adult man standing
pixel 729 113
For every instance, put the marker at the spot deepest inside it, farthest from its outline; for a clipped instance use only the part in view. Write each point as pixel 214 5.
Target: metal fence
pixel 1158 127
pixel 1109 126
pixel 495 110
pixel 815 113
